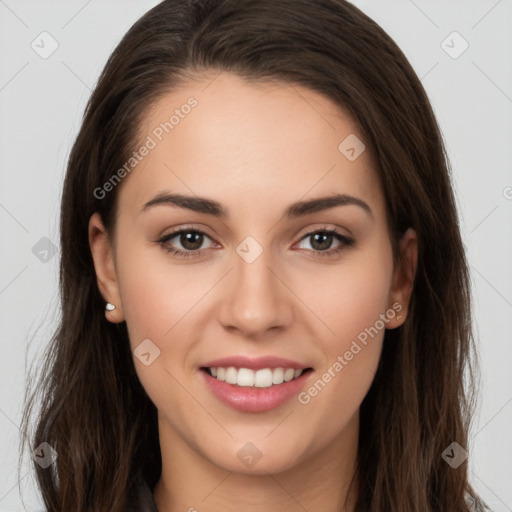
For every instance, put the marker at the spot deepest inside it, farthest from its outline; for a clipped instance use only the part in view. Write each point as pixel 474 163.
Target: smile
pixel 264 378
pixel 249 390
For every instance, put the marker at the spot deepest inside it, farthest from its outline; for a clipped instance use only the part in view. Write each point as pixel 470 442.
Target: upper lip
pixel 256 363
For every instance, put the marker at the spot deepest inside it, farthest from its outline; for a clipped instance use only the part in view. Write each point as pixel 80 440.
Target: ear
pixel 403 278
pixel 104 265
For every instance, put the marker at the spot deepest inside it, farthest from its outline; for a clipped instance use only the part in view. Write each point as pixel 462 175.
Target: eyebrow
pixel 212 207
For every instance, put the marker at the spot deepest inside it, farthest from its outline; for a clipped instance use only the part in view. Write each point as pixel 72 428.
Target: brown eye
pixel 190 240
pixel 321 241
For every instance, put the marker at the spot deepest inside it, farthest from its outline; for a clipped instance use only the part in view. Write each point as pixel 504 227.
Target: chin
pixel 248 459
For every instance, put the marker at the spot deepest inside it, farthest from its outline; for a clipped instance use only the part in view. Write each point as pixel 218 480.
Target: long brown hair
pixel 93 409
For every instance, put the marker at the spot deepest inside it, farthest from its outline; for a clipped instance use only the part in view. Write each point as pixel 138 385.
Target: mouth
pixel 249 378
pixel 254 390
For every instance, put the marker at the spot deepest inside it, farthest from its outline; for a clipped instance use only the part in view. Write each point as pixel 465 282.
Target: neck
pixel 190 482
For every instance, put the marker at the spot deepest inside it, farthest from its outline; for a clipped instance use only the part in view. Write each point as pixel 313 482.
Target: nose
pixel 256 298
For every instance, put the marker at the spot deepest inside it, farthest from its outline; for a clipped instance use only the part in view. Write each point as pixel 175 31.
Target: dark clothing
pixel 140 499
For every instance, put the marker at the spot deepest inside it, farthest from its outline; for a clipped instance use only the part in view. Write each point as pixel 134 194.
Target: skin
pixel 256 149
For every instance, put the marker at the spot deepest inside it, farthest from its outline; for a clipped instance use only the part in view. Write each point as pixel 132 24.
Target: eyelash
pixel 345 242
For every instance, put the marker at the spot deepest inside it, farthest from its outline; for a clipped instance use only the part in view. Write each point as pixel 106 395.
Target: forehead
pixel 224 137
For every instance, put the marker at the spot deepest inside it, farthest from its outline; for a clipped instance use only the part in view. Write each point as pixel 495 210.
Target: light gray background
pixel 41 104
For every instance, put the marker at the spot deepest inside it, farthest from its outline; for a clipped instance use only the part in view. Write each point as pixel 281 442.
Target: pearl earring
pixel 109 307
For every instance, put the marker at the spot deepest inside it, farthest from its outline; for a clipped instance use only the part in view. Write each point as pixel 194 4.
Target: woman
pixel 206 358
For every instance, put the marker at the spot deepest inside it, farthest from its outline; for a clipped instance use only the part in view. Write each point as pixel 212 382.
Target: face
pixel 253 287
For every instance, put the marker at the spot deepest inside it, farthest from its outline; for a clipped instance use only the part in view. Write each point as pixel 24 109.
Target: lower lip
pixel 253 399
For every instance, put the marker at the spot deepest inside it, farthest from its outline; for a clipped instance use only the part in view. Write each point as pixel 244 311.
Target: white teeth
pixel 288 374
pixel 231 375
pixel 278 376
pixel 245 377
pixel 263 378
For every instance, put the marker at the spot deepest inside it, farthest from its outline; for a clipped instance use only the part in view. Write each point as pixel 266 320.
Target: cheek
pixel 155 301
pixel 350 356
pixel 353 305
pixel 156 294
pixel 351 296
pixel 143 294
